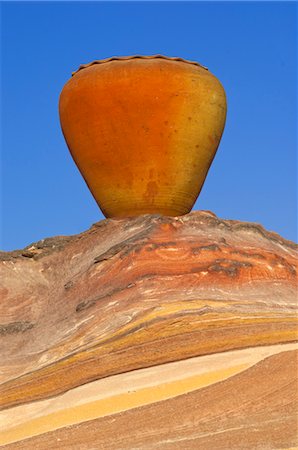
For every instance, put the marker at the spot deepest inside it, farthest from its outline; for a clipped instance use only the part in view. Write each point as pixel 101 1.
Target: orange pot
pixel 143 131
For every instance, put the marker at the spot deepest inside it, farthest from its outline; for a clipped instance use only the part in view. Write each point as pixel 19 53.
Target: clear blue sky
pixel 251 47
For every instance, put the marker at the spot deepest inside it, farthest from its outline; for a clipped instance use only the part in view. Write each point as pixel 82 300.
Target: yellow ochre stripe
pixel 115 404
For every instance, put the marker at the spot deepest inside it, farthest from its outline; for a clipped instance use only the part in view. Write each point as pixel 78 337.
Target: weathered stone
pixel 150 332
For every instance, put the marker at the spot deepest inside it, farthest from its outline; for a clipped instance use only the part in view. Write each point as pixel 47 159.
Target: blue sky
pixel 251 47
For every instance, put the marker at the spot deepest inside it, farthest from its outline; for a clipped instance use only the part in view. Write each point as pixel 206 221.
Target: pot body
pixel 143 132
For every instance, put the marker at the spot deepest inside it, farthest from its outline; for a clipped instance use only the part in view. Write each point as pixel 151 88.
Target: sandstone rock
pixel 151 332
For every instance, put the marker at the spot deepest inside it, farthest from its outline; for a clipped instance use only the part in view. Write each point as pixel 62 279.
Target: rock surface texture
pixel 151 332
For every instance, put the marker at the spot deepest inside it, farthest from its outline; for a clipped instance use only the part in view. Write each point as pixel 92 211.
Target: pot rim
pixel 126 58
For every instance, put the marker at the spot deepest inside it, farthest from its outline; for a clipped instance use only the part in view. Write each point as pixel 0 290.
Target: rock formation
pixel 151 332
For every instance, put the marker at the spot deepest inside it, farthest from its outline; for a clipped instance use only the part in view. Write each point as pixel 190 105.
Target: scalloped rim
pixel 126 58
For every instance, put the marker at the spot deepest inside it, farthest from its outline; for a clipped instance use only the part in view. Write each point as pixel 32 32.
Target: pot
pixel 143 131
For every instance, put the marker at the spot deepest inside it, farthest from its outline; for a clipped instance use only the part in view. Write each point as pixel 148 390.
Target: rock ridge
pixel 141 296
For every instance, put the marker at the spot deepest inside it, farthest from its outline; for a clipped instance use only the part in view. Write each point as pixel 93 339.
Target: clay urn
pixel 143 131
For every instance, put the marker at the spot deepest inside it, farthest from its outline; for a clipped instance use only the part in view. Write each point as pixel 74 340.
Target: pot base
pixel 152 211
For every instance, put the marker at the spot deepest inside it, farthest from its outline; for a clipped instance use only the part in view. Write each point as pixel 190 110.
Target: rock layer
pixel 182 328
